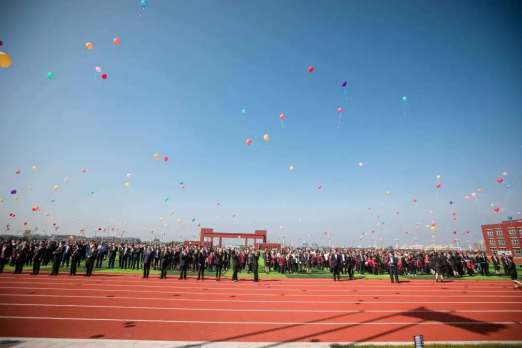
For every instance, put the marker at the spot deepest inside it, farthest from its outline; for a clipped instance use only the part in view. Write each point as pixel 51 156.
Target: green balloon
pixel 92 192
pixel 52 200
pixel 166 199
pixel 404 98
pixel 50 75
pixel 243 111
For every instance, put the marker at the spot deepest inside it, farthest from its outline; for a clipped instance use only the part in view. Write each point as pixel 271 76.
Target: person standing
pixel 393 262
pixel 21 254
pixel 512 271
pixel 57 258
pixel 121 251
pixel 335 261
pixel 37 259
pixel 218 262
pixel 201 258
pixel 91 259
pixel 255 265
pixel 112 255
pixel 183 264
pixel 148 255
pixel 75 258
pixel 235 266
pixel 440 263
pixel 164 256
pixel 5 252
pixel 496 263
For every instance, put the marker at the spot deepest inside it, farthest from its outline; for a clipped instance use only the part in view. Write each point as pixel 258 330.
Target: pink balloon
pixel 249 142
pixel 467 198
pixel 98 69
pixel 474 194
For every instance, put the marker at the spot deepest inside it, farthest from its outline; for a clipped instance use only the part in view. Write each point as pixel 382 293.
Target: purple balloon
pixel 344 83
pixel 451 202
pixel 13 192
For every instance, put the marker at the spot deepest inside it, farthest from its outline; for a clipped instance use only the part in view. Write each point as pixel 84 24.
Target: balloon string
pixel 339 123
pixel 282 124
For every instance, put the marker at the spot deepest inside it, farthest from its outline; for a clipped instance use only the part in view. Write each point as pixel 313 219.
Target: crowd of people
pixel 216 261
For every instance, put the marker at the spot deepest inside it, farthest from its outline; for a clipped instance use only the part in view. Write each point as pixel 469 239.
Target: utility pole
pixel 396 243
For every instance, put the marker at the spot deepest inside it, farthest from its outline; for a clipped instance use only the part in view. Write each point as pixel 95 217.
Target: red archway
pixel 209 233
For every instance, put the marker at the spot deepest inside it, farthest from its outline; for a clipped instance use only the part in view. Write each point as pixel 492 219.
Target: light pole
pixel 396 243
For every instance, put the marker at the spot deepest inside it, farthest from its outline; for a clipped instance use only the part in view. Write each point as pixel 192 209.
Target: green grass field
pixel 316 273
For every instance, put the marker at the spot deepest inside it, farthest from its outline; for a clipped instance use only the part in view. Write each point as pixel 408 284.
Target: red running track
pixel 274 310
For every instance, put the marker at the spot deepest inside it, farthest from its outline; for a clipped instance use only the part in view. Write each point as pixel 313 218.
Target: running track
pixel 111 306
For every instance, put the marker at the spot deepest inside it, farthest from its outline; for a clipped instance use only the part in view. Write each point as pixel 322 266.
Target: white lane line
pixel 143 285
pixel 263 310
pixel 109 297
pixel 464 323
pixel 241 294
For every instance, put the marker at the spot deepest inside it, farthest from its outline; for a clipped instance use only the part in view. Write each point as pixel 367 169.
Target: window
pixel 494 251
pixel 489 232
pixel 520 231
pixel 502 249
pixel 501 242
pixel 514 241
pixel 517 251
pixel 498 232
pixel 492 242
pixel 512 232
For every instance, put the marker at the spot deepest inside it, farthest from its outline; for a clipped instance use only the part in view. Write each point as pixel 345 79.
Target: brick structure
pixel 208 233
pixel 504 238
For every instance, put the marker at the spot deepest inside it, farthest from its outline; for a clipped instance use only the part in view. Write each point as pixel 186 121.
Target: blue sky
pixel 184 71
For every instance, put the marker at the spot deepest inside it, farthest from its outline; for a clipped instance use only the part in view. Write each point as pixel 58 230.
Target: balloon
pixel 519 213
pixel 432 228
pixel 161 219
pixel 406 232
pixel 182 187
pixel 500 180
pixel 35 167
pixel 144 3
pixel 404 98
pixel 179 221
pixel 166 159
pixel 249 142
pixel 454 232
pixel 1 200
pixel 5 60
pixel 431 211
pixel 388 193
pixel 112 229
pixel 99 228
pixel 291 167
pixel 310 68
pixel 266 137
pixel 104 76
pixel 454 241
pixel 510 218
pixel 497 209
pixel 282 116
pixel 17 172
pixel 243 111
pixel 450 202
pixel 474 194
pixel 438 185
pixel 467 231
pixel 492 204
pixel 98 69
pixel 129 176
pixel 193 219
pixel 454 214
pixel 361 164
pixel 52 200
pixel 467 198
pixel 116 41
pixel 50 75
pixel 88 45
pixel 83 170
pixel 198 226
pixel 415 200
pixel 218 204
pixel 92 192
pixel 479 190
pixel 319 187
pixel 438 176
pixel 344 84
pixel 340 110
pixel 56 188
pixel 172 212
pixel 181 183
pixel 397 213
pixel 127 184
pixel 233 215
pixel 166 199
pixel 156 156
pixel 505 173
pixel 66 179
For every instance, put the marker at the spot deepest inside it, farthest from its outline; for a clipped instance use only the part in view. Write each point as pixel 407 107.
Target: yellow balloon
pixel 291 167
pixel 427 226
pixel 179 221
pixel 17 198
pixel 388 193
pixel 127 184
pixel 1 200
pixel 161 219
pixel 433 228
pixel 438 176
pixel 56 188
pixel 5 60
pixel 35 167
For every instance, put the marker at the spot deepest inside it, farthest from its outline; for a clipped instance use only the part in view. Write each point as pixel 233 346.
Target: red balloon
pixel 104 76
pixel 282 116
pixel 467 231
pixel 340 110
pixel 454 241
pixel 319 187
pixel 454 214
pixel 454 232
pixel 199 225
pixel 438 185
pixel 249 142
pixel 406 232
pixel 99 229
pixel 112 229
pixel 25 223
pixel 415 200
pixel 500 180
pixel 166 159
pixel 497 209
pixel 1 43
pixel 310 68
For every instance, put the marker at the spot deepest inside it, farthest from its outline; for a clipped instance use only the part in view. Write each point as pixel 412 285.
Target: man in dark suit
pixel 393 263
pixel 165 258
pixel 121 250
pixel 75 257
pixel 90 259
pixel 66 255
pixel 6 249
pixel 112 255
pixel 201 258
pixel 37 258
pixel 21 254
pixel 148 255
pixel 350 264
pixel 183 264
pixel 255 265
pixel 335 261
pixel 235 265
pixel 57 258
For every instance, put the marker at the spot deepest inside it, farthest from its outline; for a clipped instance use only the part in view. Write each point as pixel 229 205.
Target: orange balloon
pixel 116 41
pixel 88 45
pixel 266 137
pixel 156 156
